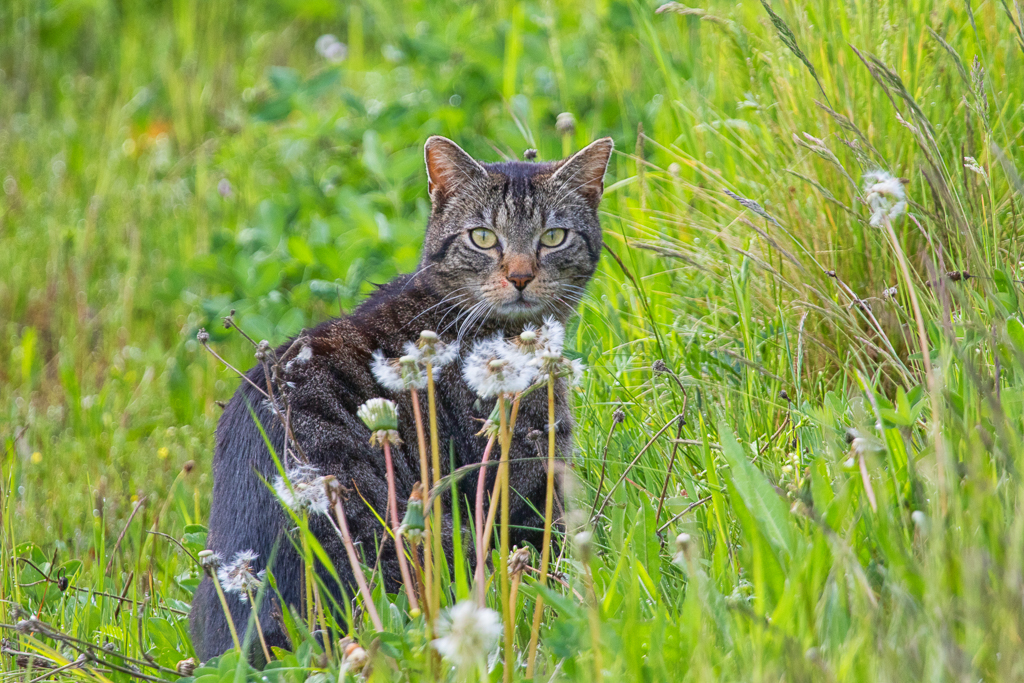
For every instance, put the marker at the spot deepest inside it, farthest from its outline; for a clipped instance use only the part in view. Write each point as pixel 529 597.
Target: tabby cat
pixel 506 244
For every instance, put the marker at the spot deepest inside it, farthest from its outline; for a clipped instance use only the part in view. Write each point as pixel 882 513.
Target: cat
pixel 506 244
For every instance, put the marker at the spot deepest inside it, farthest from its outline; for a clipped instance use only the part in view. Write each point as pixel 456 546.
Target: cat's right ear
pixel 449 169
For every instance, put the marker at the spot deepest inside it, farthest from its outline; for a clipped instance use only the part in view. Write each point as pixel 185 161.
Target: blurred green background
pixel 165 162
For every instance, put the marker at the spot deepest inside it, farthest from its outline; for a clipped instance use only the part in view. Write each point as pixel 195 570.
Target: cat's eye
pixel 483 238
pixel 553 237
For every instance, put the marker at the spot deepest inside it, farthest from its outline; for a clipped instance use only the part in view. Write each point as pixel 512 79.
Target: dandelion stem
pixel 435 461
pixel 496 491
pixel 545 553
pixel 399 544
pixel 421 439
pixel 595 622
pixel 227 611
pixel 604 466
pixel 307 561
pixel 319 604
pixel 505 589
pixel 481 483
pixel 922 337
pixel 259 627
pixel 353 561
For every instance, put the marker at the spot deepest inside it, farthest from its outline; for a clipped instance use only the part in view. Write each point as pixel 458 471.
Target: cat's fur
pixel 458 290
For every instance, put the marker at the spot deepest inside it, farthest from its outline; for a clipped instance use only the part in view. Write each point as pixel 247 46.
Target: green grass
pixel 807 559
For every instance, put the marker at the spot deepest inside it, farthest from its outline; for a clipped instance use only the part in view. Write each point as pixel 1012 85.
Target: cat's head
pixel 512 240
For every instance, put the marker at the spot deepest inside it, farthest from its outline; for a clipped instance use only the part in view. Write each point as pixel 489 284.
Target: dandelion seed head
pixel 467 634
pixel 303 488
pixel 885 195
pixel 379 414
pixel 434 351
pixel 238 576
pixel 496 367
pixel 551 336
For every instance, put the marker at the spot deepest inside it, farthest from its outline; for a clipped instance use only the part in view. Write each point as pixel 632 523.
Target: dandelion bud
pixel 209 561
pixel 565 123
pixel 355 658
pixel 518 561
pixel 584 541
pixel 920 520
pixel 185 667
pixel 381 417
pixel 682 549
pixel 414 613
pixel 413 523
pixel 261 350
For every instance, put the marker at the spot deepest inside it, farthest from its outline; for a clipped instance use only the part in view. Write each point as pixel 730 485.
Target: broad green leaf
pixel 760 498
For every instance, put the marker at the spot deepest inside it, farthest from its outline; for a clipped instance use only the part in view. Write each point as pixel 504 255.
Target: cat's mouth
pixel 518 308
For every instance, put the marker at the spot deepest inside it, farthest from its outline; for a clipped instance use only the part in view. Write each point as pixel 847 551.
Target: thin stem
pixel 595 623
pixel 259 627
pixel 421 440
pixel 357 569
pixel 632 463
pixel 481 483
pixel 227 610
pixel 435 461
pixel 307 557
pixel 505 495
pixel 399 543
pixel 671 464
pixel 922 338
pixel 318 603
pixel 545 553
pixel 604 465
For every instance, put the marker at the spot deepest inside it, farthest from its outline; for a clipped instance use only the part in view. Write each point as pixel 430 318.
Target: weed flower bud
pixel 565 123
pixel 413 523
pixel 584 541
pixel 209 561
pixel 518 561
pixel 185 667
pixel 355 657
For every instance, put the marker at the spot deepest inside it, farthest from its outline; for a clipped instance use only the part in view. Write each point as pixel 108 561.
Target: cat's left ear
pixel 584 171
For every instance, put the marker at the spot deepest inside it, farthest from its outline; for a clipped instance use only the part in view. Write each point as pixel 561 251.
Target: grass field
pixel 850 474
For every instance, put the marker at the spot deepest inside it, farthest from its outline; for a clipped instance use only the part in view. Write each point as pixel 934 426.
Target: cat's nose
pixel 520 280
